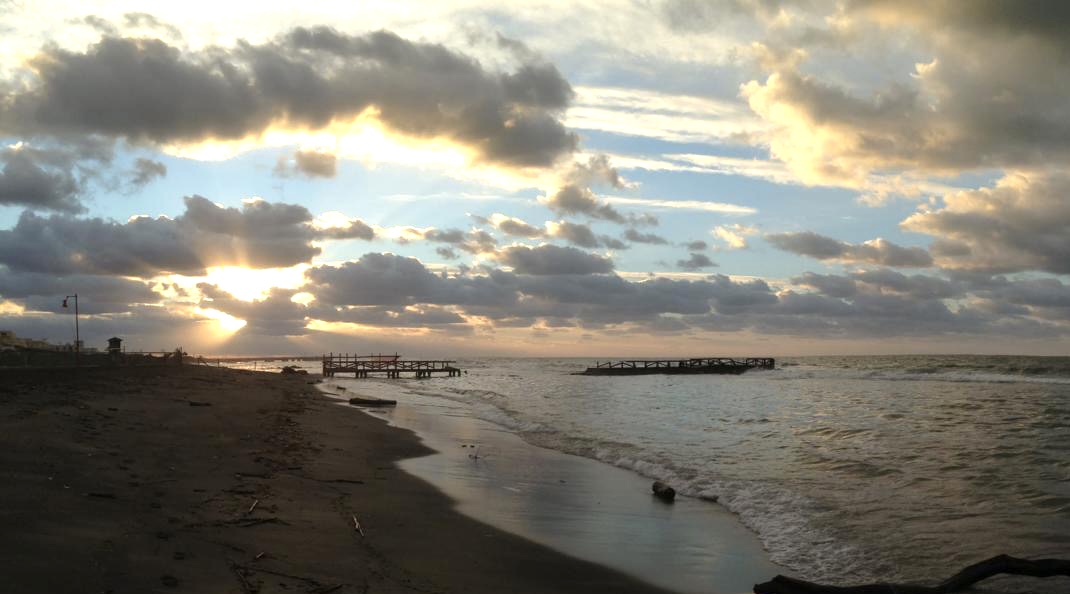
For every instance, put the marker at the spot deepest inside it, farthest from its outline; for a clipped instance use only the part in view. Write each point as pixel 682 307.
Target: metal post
pixel 77 334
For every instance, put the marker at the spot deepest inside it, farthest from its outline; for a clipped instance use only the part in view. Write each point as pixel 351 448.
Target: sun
pixel 249 284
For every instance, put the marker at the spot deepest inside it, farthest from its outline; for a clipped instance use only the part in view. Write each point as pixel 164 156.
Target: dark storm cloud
pixel 142 326
pixel 1046 298
pixel 877 303
pixel 145 90
pixel 554 260
pixel 1041 19
pixel 259 235
pixel 53 176
pixel 26 181
pixel 391 317
pixel 695 261
pixel 97 294
pixel 879 251
pixel 391 280
pixel 885 281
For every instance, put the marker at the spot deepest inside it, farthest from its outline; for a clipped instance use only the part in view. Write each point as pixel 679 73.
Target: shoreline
pixel 216 480
pixel 580 506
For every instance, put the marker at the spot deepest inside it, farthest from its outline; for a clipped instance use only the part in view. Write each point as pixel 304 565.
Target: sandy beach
pixel 199 479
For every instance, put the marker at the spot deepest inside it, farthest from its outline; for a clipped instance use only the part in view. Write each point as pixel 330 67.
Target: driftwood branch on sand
pixel 958 582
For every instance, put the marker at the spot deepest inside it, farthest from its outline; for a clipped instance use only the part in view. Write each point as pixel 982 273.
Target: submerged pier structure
pixel 719 365
pixel 391 366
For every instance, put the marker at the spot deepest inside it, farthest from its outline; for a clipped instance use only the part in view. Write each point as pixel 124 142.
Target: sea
pixel 847 469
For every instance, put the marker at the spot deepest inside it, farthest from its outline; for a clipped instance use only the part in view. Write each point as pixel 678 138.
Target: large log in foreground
pixel 960 581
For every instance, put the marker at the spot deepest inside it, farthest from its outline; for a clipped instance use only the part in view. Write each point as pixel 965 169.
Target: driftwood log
pixel 960 581
pixel 663 491
pixel 372 402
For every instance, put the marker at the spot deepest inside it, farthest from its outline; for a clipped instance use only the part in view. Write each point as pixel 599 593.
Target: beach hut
pixel 115 347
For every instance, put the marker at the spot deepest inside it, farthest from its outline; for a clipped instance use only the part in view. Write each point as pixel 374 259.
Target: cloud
pixel 392 280
pixel 144 90
pixel 97 294
pixel 145 171
pixel 734 235
pixel 24 183
pixel 574 233
pixel 649 238
pixel 575 197
pixel 514 226
pixel 576 200
pixel 695 262
pixel 350 229
pixel 447 253
pixel 309 163
pixel 876 251
pixel 696 246
pixel 474 241
pixel 650 114
pixel 942 113
pixel 698 205
pixel 426 316
pixel 552 260
pixel 144 20
pixel 259 235
pixel 1018 224
pixel 274 315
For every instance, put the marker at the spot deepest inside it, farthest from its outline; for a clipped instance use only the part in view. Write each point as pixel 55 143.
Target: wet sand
pixel 584 508
pixel 213 480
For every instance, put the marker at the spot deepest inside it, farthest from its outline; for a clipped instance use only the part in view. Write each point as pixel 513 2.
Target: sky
pixel 591 178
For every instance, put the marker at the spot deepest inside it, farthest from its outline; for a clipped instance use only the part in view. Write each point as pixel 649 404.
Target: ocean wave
pixel 778 514
pixel 934 374
pixel 817 468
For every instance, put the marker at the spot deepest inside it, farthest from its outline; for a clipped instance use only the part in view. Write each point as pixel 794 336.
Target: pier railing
pixel 692 365
pixel 392 366
pixel 755 362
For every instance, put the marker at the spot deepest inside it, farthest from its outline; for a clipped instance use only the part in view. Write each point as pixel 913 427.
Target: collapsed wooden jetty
pixel 391 366
pixel 722 365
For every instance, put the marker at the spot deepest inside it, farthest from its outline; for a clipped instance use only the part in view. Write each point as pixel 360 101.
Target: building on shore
pixel 11 341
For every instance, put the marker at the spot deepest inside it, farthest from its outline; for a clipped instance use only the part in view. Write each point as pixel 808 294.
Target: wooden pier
pixel 718 365
pixel 391 366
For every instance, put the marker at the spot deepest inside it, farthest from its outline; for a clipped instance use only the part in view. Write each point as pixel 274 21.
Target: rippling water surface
pixel 847 468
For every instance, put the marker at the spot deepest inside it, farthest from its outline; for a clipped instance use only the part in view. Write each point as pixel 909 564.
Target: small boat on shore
pixel 714 365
